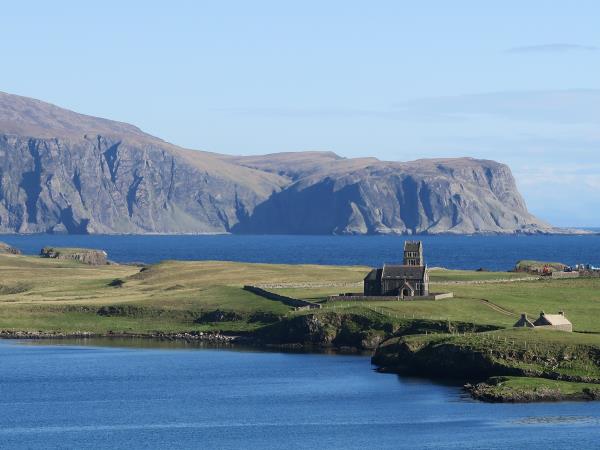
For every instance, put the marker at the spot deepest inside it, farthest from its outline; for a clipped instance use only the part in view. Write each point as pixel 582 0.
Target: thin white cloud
pixel 571 176
pixel 566 106
pixel 553 48
pixel 554 106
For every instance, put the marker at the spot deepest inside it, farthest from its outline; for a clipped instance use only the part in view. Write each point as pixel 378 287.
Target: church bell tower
pixel 413 253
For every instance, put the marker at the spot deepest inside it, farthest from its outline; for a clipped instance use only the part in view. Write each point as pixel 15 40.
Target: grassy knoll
pixel 527 265
pixel 540 364
pixel 529 389
pixel 524 351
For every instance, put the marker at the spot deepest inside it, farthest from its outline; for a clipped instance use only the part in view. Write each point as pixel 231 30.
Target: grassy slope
pixel 48 294
pixel 578 297
pixel 37 293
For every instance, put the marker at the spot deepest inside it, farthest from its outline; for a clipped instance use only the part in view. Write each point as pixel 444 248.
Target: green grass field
pixel 46 294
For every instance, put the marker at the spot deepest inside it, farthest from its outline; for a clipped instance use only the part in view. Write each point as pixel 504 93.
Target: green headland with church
pixel 394 311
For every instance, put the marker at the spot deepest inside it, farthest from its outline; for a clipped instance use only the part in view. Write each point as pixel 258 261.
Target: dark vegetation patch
pixel 361 329
pixel 17 288
pixel 183 315
pixel 175 287
pixel 117 282
pixel 218 316
pixel 145 312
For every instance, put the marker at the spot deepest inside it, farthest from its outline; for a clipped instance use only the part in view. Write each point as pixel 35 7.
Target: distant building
pixel 411 279
pixel 553 321
pixel 556 321
pixel 524 322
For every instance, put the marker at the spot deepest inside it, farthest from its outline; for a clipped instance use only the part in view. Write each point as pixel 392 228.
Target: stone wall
pixel 294 302
pixel 386 298
pixel 565 274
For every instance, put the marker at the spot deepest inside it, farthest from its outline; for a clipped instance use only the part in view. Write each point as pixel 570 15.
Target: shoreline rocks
pixel 175 336
pixel 489 392
pixel 8 249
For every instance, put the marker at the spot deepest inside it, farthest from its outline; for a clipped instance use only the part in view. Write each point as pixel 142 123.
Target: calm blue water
pixel 68 396
pixel 468 252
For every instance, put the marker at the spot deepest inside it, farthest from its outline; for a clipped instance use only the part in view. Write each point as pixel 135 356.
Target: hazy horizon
pixel 399 81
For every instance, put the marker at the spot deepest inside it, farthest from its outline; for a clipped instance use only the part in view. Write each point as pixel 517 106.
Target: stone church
pixel 411 279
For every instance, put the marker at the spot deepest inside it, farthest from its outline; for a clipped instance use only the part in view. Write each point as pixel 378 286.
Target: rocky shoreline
pixel 493 390
pixel 192 336
pixel 490 393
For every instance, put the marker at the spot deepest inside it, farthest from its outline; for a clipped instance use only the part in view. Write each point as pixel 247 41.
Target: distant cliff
pixel 369 196
pixel 65 172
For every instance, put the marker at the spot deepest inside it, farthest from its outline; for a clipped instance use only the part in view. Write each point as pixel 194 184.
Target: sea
pixel 116 395
pixel 493 252
pixel 132 394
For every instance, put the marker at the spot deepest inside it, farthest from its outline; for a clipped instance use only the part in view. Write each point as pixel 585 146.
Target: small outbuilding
pixel 554 321
pixel 524 322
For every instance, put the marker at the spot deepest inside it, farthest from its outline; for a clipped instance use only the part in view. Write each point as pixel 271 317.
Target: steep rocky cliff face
pixel 65 172
pixel 103 185
pixel 369 196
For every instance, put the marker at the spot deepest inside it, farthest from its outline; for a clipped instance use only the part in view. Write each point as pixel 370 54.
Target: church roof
pixel 391 271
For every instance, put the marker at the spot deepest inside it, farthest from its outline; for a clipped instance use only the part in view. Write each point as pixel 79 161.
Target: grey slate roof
pixel 391 271
pixel 524 322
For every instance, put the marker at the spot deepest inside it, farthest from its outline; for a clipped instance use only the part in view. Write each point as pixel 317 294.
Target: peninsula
pixel 470 337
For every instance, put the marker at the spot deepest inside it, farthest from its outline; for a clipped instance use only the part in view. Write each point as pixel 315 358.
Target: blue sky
pixel 512 81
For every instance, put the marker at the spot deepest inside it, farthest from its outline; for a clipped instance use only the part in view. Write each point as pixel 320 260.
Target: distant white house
pixel 552 321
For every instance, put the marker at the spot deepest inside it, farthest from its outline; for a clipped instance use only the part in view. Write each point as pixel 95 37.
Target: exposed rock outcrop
pixel 8 249
pixel 82 255
pixel 326 330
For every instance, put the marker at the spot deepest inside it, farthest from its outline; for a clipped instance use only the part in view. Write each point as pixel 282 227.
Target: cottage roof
pixel 553 319
pixel 412 246
pixel 391 271
pixel 524 322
